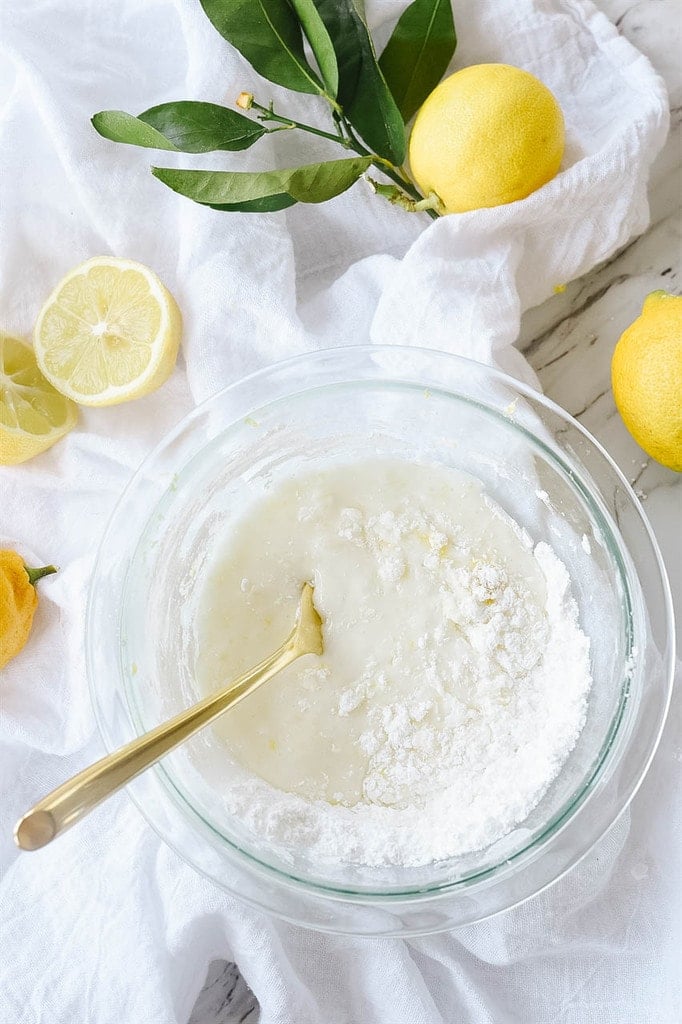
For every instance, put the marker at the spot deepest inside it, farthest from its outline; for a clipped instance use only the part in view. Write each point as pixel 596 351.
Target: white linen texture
pixel 108 926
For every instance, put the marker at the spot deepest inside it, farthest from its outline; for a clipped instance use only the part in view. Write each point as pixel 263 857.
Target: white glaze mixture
pixel 454 679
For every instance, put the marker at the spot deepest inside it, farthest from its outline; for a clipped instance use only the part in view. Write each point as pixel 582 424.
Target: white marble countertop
pixel 569 341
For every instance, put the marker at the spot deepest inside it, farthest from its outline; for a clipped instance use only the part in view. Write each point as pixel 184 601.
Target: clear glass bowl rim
pixel 254 865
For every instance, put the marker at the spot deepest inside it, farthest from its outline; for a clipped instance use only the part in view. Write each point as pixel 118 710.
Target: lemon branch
pixel 413 201
pixel 268 114
pixel 430 204
pixel 395 174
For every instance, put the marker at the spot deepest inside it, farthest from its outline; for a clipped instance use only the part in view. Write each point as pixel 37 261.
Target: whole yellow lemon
pixel 18 602
pixel 646 375
pixel 487 135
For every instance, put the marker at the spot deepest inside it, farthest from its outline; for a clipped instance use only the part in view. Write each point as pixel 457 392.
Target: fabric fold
pixel 109 926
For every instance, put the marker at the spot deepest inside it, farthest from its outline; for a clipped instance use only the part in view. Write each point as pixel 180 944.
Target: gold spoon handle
pixel 64 806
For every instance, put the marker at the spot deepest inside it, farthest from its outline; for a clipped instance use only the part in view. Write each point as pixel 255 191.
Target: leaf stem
pixel 431 202
pixel 421 205
pixel 392 172
pixel 338 121
pixel 346 137
pixel 268 114
pixel 37 574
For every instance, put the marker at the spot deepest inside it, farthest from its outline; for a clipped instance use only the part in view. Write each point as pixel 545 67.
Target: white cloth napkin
pixel 108 926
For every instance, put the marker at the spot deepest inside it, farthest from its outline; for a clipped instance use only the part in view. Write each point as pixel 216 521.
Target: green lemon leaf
pixel 363 93
pixel 268 34
pixel 195 127
pixel 320 43
pixel 268 204
pixel 121 127
pixel 184 126
pixel 313 183
pixel 418 52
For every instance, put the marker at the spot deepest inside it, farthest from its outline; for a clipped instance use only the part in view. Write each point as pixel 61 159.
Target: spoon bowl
pixel 72 800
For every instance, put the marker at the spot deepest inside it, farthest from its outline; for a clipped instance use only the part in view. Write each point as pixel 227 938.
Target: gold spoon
pixel 71 801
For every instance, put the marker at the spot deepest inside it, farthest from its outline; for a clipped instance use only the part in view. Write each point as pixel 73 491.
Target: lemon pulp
pixel 109 332
pixel 33 415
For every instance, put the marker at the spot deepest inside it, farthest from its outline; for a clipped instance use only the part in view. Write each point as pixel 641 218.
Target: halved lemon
pixel 109 332
pixel 32 414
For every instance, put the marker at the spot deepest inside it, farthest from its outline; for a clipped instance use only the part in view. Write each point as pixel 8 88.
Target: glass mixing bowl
pixel 535 461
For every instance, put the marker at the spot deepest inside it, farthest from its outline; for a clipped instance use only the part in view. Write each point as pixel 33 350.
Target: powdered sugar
pixel 454 686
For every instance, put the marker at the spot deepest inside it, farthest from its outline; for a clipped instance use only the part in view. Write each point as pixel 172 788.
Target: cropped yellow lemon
pixel 32 414
pixel 109 332
pixel 487 135
pixel 646 374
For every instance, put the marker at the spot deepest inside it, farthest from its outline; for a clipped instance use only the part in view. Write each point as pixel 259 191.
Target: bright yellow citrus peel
pixel 487 135
pixel 646 375
pixel 18 602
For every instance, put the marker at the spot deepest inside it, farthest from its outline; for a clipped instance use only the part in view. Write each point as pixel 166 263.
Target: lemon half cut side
pixel 109 332
pixel 33 415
